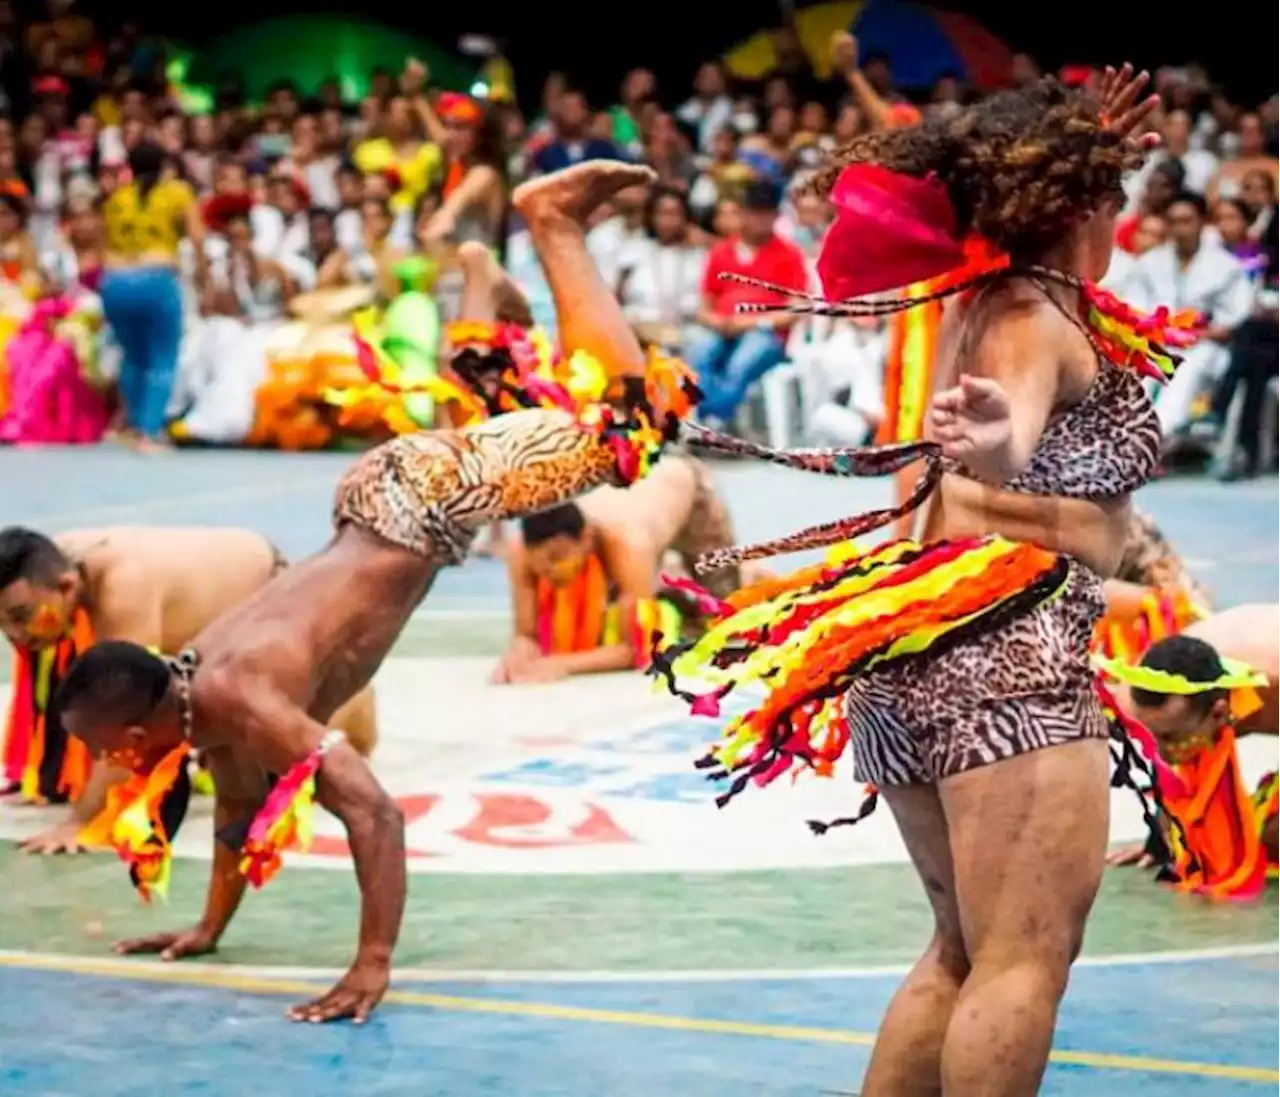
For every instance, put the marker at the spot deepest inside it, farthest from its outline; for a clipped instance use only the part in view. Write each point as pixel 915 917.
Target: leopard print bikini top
pixel 1106 446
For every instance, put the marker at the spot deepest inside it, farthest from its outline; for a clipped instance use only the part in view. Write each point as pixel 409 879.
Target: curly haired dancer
pixel 961 663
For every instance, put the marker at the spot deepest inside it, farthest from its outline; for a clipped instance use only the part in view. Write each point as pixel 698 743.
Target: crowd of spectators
pixel 251 207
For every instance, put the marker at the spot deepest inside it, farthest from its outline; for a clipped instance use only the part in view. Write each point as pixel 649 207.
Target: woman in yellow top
pixel 399 148
pixel 146 220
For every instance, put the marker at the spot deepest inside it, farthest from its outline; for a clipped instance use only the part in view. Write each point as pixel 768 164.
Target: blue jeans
pixel 729 365
pixel 143 305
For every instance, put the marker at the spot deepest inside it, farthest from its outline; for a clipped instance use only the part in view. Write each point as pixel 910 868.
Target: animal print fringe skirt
pixel 431 492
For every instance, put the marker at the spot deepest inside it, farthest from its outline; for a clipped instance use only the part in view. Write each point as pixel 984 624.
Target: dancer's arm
pixel 1124 599
pixel 523 648
pixel 844 57
pixel 193 222
pixel 236 803
pixel 474 186
pixel 284 735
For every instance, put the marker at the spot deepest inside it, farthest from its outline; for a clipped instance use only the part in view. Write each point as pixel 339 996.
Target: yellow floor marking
pixel 249 984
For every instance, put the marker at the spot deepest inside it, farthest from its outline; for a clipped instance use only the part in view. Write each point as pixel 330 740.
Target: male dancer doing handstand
pixel 256 689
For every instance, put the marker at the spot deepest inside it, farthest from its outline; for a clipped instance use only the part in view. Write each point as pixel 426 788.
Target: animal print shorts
pixel 1024 686
pixel 432 491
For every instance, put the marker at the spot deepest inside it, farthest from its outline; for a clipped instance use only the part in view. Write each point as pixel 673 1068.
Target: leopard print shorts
pixel 431 492
pixel 1024 686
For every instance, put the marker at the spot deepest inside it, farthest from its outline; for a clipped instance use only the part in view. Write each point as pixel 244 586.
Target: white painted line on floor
pixel 106 965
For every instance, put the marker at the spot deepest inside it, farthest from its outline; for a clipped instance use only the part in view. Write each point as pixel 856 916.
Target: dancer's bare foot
pixel 574 192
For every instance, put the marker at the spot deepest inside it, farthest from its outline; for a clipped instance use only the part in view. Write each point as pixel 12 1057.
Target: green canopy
pixel 307 49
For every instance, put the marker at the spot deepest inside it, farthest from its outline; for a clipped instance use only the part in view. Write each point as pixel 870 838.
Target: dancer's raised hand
pixel 1124 109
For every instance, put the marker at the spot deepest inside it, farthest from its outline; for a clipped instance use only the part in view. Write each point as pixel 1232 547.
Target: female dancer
pixel 961 663
pixel 141 291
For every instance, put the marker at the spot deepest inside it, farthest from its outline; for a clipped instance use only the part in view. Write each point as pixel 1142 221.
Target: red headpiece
pixel 890 230
pixel 219 209
pixel 459 109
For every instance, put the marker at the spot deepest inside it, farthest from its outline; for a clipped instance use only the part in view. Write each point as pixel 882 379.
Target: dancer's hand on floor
pixel 972 420
pixel 63 838
pixel 536 670
pixel 356 995
pixel 1131 857
pixel 197 941
pixel 522 652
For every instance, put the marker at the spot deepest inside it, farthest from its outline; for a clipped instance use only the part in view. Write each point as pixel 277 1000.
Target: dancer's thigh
pixel 1028 837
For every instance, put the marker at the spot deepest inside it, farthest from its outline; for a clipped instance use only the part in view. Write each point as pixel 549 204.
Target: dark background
pixel 595 43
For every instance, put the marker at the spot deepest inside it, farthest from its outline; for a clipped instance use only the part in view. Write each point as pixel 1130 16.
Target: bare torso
pixel 1249 633
pixel 191 574
pixel 319 630
pixel 1092 532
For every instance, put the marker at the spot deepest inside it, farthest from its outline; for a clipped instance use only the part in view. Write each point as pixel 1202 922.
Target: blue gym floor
pixel 1129 1029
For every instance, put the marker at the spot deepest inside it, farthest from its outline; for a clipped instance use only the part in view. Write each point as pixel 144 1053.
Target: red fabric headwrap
pixel 890 230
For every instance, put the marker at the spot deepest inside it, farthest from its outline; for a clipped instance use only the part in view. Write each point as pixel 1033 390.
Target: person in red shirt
pixel 736 349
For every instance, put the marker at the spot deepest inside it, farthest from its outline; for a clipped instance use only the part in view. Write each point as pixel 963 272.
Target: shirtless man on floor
pixel 154 586
pixel 1248 634
pixel 622 536
pixel 255 691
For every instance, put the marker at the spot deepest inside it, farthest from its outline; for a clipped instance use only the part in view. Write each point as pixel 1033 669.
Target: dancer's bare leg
pixel 488 293
pixel 907 1058
pixel 1028 840
pixel 556 209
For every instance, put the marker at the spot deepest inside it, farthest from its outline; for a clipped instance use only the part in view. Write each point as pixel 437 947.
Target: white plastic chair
pixel 780 393
pixel 790 391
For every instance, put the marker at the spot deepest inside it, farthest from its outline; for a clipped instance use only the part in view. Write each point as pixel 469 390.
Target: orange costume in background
pixel 1217 848
pixel 41 761
pixel 908 371
pixel 1210 841
pixel 580 616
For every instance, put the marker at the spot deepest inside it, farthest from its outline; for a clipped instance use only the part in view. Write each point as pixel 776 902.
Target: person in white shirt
pixel 289 195
pixel 1198 165
pixel 1192 271
pixel 1149 233
pixel 660 272
pixel 318 170
pixel 710 110
pixel 608 239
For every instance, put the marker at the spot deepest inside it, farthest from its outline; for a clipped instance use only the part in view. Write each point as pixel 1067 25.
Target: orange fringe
pixel 35 678
pixel 1218 848
pixel 571 616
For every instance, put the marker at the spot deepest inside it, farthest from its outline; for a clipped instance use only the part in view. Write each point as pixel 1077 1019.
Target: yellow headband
pixel 1235 675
